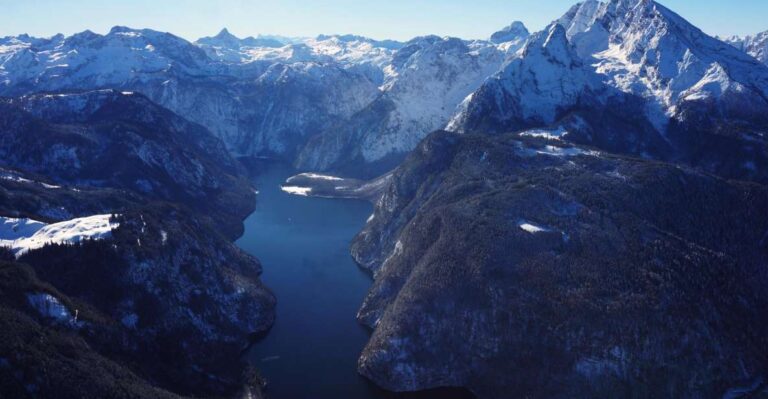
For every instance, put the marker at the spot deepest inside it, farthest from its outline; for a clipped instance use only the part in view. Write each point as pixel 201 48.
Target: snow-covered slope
pixel 345 49
pixel 24 235
pixel 89 60
pixel 530 89
pixel 512 38
pixel 756 46
pixel 424 83
pixel 642 79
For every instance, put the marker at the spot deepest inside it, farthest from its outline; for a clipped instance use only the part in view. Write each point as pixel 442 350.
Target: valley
pixel 577 211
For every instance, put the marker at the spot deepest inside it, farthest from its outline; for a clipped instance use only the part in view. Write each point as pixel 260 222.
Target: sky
pixel 381 19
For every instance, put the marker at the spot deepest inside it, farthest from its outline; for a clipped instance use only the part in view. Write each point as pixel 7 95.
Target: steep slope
pixel 129 210
pixel 641 80
pixel 425 82
pixel 512 38
pixel 48 368
pixel 123 140
pixel 521 268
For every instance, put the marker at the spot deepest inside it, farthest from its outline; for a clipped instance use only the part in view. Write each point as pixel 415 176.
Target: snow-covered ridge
pixel 24 235
pixel 616 49
pixel 344 49
pixel 642 48
pixel 756 45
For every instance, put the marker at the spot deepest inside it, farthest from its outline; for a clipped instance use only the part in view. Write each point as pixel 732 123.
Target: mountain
pixel 509 263
pixel 756 46
pixel 229 48
pixel 88 60
pixel 122 140
pixel 512 38
pixel 588 227
pixel 265 107
pixel 634 77
pixel 127 212
pixel 426 80
pixel 302 101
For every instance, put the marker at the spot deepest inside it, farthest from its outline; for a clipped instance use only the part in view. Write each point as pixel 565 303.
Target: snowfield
pixel 24 235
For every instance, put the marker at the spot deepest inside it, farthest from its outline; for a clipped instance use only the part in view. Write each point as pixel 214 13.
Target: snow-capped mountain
pixel 362 54
pixel 229 48
pixel 425 82
pixel 756 46
pixel 655 84
pixel 87 60
pixel 267 96
pixel 512 38
pixel 264 107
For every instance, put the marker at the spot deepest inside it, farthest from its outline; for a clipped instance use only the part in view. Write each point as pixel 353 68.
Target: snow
pixel 531 228
pixel 24 235
pixel 756 46
pixel 49 307
pixel 12 229
pixel 426 87
pixel 296 190
pixel 314 176
pixel 11 176
pixel 616 48
pixel 554 151
pixel 549 134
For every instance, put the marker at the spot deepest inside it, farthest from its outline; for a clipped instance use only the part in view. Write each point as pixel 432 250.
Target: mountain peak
pixel 224 34
pixel 120 29
pixel 515 31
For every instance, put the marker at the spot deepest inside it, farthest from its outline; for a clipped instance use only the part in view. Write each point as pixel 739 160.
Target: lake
pixel 303 244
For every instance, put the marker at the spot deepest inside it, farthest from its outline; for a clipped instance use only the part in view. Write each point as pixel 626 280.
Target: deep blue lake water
pixel 303 244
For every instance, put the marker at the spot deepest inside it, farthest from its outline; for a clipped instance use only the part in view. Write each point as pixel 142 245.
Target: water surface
pixel 303 243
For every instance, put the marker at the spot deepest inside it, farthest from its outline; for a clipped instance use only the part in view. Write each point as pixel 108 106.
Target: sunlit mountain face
pixel 580 211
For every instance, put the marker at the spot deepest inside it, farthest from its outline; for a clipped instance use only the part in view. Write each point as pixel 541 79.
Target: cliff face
pixel 512 264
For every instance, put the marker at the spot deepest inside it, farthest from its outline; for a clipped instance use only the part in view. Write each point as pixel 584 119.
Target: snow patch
pixel 314 176
pixel 296 190
pixel 549 134
pixel 531 228
pixel 49 307
pixel 24 235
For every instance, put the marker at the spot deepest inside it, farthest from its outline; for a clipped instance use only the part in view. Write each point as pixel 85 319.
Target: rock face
pixel 509 264
pixel 633 77
pixel 425 82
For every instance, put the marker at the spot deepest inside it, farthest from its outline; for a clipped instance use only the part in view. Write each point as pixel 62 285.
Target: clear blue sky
pixel 396 19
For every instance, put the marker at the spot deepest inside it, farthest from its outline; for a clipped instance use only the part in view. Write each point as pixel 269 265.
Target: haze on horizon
pixel 394 19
